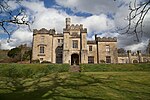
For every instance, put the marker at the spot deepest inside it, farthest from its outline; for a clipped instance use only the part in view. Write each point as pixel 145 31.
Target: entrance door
pixel 75 59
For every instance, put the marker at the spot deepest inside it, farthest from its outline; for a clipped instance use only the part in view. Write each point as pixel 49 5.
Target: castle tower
pixel 107 49
pixel 75 43
pixel 84 58
pixel 66 44
pixel 42 45
pixel 68 22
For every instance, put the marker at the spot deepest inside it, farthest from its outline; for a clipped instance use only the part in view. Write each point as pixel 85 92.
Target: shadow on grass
pixel 59 87
pixel 54 90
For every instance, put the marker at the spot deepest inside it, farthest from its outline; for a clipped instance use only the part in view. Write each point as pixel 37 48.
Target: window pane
pixel 90 48
pixel 42 39
pixel 75 44
pixel 62 40
pixel 90 59
pixel 108 59
pixel 42 49
pixel 107 48
pixel 58 40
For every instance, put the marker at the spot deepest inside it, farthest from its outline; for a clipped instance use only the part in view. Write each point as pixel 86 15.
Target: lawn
pixel 62 85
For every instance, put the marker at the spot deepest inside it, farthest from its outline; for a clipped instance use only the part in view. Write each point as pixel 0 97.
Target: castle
pixel 72 47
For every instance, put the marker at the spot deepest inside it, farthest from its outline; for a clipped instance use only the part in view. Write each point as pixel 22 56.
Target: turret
pixel 68 22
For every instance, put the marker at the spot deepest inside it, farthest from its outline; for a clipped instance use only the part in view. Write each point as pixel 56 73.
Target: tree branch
pixel 136 18
pixel 11 17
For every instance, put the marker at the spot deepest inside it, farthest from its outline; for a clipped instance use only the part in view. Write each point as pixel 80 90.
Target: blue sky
pixel 100 17
pixel 52 4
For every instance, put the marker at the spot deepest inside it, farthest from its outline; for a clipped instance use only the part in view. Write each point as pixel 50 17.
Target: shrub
pixel 46 62
pixel 35 61
pixel 15 52
pixel 102 61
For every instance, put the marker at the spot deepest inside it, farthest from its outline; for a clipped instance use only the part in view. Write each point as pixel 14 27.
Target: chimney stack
pixel 129 55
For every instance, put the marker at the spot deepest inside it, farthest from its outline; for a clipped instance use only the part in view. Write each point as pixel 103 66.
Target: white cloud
pixel 12 5
pixel 4 44
pixel 138 46
pixel 89 6
pixel 99 22
pixel 46 17
pixel 36 6
pixel 52 18
pixel 21 36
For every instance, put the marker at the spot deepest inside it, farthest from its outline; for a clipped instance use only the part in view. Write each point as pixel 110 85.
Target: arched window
pixel 135 61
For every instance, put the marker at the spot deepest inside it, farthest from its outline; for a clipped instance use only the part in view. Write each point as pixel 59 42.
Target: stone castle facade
pixel 72 47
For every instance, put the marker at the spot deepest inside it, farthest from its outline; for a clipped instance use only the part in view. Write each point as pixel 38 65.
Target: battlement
pixel 58 35
pixel 70 26
pixel 106 39
pixel 76 26
pixel 43 31
pixel 91 42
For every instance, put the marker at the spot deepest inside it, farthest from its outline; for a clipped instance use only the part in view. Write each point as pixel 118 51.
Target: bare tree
pixel 10 20
pixel 136 17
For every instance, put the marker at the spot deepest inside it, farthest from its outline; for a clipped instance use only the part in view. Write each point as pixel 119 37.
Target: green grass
pixel 108 84
pixel 30 70
pixel 114 67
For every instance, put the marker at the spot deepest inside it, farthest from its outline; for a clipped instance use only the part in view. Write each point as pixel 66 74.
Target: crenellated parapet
pixel 106 39
pixel 73 27
pixel 77 26
pixel 91 42
pixel 84 30
pixel 43 31
pixel 58 35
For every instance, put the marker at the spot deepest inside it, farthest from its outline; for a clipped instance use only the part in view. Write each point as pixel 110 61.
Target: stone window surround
pixel 74 43
pixel 90 48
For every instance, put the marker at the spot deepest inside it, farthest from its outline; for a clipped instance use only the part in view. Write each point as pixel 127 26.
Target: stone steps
pixel 74 68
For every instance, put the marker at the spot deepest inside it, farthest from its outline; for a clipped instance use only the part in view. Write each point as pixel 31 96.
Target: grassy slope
pixel 108 85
